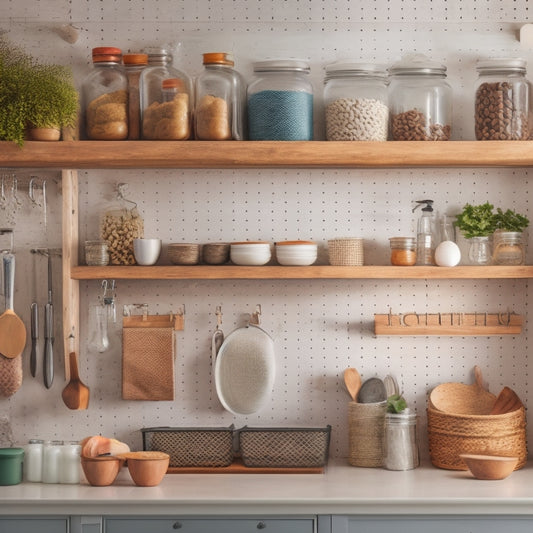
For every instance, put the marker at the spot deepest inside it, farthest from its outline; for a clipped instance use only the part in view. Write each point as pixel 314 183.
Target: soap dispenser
pixel 426 237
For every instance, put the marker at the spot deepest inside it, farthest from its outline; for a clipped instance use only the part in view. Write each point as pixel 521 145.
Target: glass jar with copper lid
pixel 105 96
pixel 220 111
pixel 133 66
pixel 164 119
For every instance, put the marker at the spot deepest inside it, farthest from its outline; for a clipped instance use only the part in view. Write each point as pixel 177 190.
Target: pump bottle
pixel 426 238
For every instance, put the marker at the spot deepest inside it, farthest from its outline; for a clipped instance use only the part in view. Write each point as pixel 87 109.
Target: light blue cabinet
pixel 34 525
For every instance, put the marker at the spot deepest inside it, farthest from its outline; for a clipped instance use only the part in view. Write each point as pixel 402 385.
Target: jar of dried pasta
pixel 105 96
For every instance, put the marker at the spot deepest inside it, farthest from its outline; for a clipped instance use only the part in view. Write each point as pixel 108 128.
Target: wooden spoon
pixel 12 329
pixel 75 394
pixel 352 380
pixel 506 402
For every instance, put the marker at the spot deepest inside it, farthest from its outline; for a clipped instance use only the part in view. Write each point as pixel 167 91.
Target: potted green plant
pixel 477 223
pixel 33 95
pixel 508 241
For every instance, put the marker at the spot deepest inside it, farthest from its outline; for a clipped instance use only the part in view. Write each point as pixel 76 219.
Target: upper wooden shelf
pixel 265 154
pixel 298 272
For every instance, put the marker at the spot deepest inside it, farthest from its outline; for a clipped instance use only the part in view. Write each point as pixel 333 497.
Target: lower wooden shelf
pixel 298 272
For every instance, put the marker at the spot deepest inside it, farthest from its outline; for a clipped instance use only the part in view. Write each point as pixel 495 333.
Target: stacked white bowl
pixel 250 253
pixel 296 253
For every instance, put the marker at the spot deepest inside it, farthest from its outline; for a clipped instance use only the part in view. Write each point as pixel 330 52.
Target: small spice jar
pixel 420 100
pixel 356 102
pixel 502 96
pixel 96 253
pixel 508 248
pixel 400 443
pixel 105 96
pixel 280 102
pixel 403 251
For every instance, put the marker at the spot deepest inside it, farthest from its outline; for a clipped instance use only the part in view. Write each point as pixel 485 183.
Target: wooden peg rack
pixel 448 324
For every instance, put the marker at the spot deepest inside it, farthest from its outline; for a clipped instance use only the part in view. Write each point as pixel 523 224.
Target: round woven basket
pixel 346 252
pixel 366 423
pixel 461 399
pixel 451 435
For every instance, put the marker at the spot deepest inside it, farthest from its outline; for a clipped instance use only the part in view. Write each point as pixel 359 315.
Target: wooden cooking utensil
pixel 352 380
pixel 75 394
pixel 12 329
pixel 506 402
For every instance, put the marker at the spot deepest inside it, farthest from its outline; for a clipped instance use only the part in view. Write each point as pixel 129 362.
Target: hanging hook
pixel 218 313
pixel 254 319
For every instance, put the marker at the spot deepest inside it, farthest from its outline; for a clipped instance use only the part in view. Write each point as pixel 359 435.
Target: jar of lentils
pixel 356 102
pixel 502 100
pixel 280 102
pixel 420 100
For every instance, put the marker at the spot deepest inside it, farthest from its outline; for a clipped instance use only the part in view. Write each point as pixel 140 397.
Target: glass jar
pixel 69 463
pixel 165 119
pixel 96 253
pixel 33 460
pixel 51 454
pixel 403 251
pixel 280 102
pixel 120 224
pixel 400 442
pixel 420 100
pixel 509 248
pixel 356 102
pixel 133 66
pixel 105 96
pixel 479 251
pixel 502 100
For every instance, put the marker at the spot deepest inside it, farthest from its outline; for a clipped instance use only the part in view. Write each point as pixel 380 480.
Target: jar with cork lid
pixel 166 95
pixel 105 96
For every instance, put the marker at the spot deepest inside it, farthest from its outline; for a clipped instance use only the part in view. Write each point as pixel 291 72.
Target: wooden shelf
pixel 311 272
pixel 265 154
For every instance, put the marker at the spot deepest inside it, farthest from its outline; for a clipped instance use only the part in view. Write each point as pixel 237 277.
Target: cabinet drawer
pixel 34 525
pixel 209 525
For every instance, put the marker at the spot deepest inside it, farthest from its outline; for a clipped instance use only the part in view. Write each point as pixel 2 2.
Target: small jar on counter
pixel 33 460
pixel 400 443
pixel 133 66
pixel 280 102
pixel 356 102
pixel 51 461
pixel 420 100
pixel 105 96
pixel 69 463
pixel 403 251
pixel 502 100
pixel 96 253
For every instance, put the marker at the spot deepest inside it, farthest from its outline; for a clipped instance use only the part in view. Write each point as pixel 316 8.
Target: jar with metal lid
pixel 105 96
pixel 420 100
pixel 162 119
pixel 502 100
pixel 356 102
pixel 134 64
pixel 400 442
pixel 508 248
pixel 280 102
pixel 403 251
pixel 220 112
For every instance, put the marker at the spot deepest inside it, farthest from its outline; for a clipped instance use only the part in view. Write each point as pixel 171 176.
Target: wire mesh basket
pixel 208 447
pixel 284 447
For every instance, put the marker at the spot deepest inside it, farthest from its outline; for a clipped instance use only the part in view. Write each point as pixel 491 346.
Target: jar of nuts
pixel 105 97
pixel 120 224
pixel 420 100
pixel 356 102
pixel 502 100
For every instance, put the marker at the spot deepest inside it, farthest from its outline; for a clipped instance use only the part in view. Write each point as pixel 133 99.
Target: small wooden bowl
pixel 101 471
pixel 215 253
pixel 184 253
pixel 489 466
pixel 147 469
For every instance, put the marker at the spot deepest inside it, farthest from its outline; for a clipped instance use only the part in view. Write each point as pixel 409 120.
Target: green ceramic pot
pixel 11 465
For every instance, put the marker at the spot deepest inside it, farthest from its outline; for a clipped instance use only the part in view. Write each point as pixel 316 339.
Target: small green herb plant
pixel 396 403
pixel 477 220
pixel 510 220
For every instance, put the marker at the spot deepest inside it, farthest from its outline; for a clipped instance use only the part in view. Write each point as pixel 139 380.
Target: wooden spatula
pixel 506 402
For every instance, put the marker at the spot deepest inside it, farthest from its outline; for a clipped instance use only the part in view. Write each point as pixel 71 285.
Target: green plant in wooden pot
pixel 477 223
pixel 509 247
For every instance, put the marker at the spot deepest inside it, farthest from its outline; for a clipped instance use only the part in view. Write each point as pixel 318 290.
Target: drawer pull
pixel 176 525
pixel 261 525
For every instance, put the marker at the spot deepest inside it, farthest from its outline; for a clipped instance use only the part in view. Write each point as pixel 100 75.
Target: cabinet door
pixel 433 524
pixel 209 525
pixel 34 525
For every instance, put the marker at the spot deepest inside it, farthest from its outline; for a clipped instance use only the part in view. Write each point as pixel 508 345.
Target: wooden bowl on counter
pixel 101 471
pixel 147 469
pixel 489 466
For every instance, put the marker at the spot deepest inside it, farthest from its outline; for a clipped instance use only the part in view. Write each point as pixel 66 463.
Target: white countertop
pixel 342 489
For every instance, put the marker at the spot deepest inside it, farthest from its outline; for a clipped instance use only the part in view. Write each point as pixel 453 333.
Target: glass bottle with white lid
pixel 280 101
pixel 502 101
pixel 356 102
pixel 420 100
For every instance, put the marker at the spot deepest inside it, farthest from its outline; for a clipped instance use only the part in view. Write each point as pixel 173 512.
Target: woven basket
pixel 461 399
pixel 346 252
pixel 366 423
pixel 191 446
pixel 451 435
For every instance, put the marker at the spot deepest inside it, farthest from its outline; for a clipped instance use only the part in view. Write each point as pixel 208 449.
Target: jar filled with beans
pixel 502 100
pixel 420 100
pixel 120 224
pixel 356 102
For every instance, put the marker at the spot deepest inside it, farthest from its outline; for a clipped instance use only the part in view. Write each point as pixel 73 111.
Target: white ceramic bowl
pixel 250 253
pixel 146 251
pixel 297 253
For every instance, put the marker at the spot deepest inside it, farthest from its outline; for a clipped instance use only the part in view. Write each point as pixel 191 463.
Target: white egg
pixel 447 254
